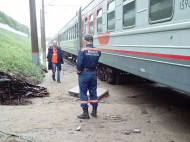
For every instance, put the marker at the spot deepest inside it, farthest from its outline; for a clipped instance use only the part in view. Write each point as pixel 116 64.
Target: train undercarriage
pixel 105 73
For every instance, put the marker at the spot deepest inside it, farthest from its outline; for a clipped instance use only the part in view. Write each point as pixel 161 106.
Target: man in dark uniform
pixel 86 68
pixel 55 60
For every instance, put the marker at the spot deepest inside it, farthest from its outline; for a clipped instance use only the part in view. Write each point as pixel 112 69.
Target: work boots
pixel 94 111
pixel 85 114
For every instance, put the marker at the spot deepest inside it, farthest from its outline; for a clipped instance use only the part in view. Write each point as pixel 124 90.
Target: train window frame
pixel 91 20
pixel 97 18
pixel 125 3
pixel 161 20
pixel 109 11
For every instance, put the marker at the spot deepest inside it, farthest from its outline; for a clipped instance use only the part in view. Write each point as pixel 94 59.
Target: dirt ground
pixel 160 113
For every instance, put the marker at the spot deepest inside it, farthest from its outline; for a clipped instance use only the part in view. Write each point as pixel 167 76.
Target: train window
pixel 161 10
pixel 111 16
pixel 67 35
pixel 62 36
pixel 77 31
pixel 99 21
pixel 59 37
pixel 129 13
pixel 72 32
pixel 86 26
pixel 91 24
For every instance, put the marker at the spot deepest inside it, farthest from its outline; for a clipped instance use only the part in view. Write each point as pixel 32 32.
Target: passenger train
pixel 146 38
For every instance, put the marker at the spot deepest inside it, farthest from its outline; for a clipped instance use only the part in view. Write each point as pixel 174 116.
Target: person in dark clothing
pixel 86 68
pixel 55 60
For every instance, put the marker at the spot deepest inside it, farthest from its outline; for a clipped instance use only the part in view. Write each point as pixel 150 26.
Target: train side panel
pixel 68 37
pixel 158 52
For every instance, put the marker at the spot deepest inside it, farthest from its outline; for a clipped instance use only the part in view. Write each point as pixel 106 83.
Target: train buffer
pixel 101 92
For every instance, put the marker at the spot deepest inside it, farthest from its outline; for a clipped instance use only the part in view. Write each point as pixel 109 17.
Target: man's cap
pixel 88 38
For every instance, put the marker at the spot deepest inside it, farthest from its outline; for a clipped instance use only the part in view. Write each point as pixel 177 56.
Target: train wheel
pixel 98 72
pixel 118 79
pixel 106 77
pixel 111 78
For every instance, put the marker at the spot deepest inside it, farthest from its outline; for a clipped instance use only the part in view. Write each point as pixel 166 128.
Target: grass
pixel 16 56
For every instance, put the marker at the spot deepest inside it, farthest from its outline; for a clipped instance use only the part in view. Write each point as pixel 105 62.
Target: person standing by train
pixel 86 68
pixel 55 60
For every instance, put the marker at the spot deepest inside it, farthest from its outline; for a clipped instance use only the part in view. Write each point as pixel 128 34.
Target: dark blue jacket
pixel 88 57
pixel 59 55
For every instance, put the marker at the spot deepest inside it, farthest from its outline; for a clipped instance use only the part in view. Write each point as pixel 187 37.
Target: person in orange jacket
pixel 55 60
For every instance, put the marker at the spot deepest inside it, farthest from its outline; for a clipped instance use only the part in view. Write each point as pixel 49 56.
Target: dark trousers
pixel 88 81
pixel 54 67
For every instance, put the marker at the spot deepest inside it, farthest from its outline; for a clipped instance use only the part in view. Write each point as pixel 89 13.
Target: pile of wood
pixel 13 89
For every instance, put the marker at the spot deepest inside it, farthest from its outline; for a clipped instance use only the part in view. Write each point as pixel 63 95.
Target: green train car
pixel 147 38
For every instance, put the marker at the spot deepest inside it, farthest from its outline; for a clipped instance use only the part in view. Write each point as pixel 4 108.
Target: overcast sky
pixel 55 16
